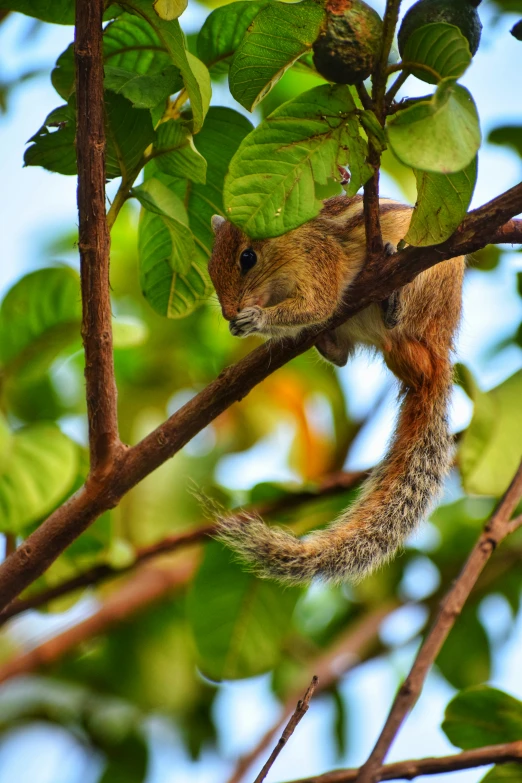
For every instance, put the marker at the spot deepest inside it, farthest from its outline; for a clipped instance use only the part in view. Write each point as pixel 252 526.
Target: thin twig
pixel 299 713
pixel 494 532
pixel 408 770
pixel 94 242
pixel 396 86
pixel 491 223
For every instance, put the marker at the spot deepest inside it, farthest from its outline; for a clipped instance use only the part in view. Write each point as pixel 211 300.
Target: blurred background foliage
pixel 116 671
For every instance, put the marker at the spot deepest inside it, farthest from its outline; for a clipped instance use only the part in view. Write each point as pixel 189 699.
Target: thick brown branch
pixel 481 227
pixel 299 713
pixel 494 532
pixel 94 241
pixel 146 587
pixel 408 770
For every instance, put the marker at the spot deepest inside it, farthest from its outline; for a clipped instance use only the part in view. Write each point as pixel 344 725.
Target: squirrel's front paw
pixel 248 321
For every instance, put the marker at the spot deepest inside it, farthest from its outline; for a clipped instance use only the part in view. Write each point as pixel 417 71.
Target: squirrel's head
pixel 244 272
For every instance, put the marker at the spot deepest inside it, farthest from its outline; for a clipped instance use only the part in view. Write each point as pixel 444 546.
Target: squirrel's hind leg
pixel 335 346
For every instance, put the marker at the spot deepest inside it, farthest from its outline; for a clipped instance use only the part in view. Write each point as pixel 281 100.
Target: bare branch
pixel 408 770
pixel 299 713
pixel 494 532
pixel 94 241
pixel 481 227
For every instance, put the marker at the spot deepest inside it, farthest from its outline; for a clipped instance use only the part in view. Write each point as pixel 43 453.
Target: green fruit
pixel 346 51
pixel 461 13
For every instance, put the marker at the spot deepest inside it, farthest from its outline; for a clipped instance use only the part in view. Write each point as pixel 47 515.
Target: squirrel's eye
pixel 247 260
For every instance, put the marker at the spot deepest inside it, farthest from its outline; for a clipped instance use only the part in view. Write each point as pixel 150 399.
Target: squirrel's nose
pixel 229 311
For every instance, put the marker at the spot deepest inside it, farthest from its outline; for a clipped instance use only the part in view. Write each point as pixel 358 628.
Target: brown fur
pixel 299 280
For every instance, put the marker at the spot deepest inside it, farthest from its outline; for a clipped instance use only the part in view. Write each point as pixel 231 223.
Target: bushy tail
pixel 394 499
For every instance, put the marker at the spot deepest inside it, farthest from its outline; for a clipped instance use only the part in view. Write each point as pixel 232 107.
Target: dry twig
pixel 299 713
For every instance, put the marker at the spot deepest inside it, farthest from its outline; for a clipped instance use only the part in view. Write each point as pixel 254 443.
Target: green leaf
pixel 143 91
pixel 171 282
pixel 440 133
pixel 482 716
pixel 53 144
pixel 504 773
pixel 276 38
pixel 465 658
pixel 39 317
pixel 195 75
pixel 169 9
pixel 126 761
pixel 176 296
pixel 40 469
pixel 128 332
pixel 238 621
pixel 54 11
pixel 442 48
pixel 224 29
pixel 129 133
pixel 489 454
pixel 131 46
pixel 269 189
pixel 154 196
pixel 509 135
pixel 175 153
pixel 442 202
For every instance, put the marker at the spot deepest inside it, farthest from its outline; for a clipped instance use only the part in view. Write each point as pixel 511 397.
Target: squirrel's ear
pixel 216 221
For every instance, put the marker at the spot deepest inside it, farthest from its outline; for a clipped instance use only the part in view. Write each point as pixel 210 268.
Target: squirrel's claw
pixel 248 321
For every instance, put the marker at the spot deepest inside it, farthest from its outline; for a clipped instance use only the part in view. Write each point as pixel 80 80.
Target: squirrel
pixel 277 287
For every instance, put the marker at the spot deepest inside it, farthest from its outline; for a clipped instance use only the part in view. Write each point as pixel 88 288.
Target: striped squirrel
pixel 280 286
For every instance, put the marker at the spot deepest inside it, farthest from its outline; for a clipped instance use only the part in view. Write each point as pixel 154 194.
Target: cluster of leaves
pixel 269 179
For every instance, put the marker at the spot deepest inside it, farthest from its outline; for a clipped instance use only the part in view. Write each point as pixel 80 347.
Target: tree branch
pixel 400 770
pixel 481 227
pixel 372 223
pixel 299 713
pixel 94 241
pixel 494 532
pixel 331 484
pixel 147 586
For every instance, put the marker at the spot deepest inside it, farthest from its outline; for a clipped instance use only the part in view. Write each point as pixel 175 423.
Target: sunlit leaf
pixel 442 202
pixel 224 29
pixel 238 620
pixel 39 317
pixel 169 9
pixel 40 469
pixel 440 133
pixel 269 188
pixel 504 773
pixel 277 36
pixel 489 454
